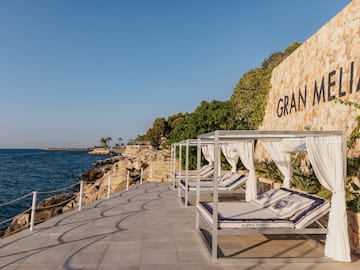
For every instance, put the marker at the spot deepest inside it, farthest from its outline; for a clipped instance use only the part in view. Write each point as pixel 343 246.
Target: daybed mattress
pixel 253 215
pixel 209 185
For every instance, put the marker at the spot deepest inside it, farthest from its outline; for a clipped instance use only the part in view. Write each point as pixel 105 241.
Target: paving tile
pixel 84 258
pixel 119 267
pixel 188 244
pixel 193 256
pixel 46 257
pixel 159 267
pixel 158 257
pixel 158 245
pixel 126 236
pixel 124 247
pixel 36 267
pixel 154 236
pixel 116 258
pixel 145 228
pixel 11 262
pixel 202 266
pixel 76 267
pixel 247 266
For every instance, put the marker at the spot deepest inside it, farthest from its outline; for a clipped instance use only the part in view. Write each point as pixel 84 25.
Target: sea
pixel 23 171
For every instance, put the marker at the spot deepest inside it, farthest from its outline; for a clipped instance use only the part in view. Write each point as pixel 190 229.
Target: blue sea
pixel 26 170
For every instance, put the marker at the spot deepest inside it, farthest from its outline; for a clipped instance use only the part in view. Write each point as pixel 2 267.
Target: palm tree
pixel 120 139
pixel 108 139
pixel 103 142
pixel 116 146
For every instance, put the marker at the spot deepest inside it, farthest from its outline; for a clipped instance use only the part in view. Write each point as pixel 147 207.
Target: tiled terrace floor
pixel 144 228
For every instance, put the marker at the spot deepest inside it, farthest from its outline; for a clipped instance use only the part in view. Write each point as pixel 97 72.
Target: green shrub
pixel 269 170
pixel 303 178
pixel 354 204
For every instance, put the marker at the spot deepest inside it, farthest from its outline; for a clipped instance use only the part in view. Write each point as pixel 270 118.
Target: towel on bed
pixel 290 205
pixel 271 196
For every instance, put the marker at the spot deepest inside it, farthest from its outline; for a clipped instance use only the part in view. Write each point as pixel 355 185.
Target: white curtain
pixel 326 157
pixel 281 159
pixel 208 152
pixel 231 154
pixel 246 154
pixel 293 145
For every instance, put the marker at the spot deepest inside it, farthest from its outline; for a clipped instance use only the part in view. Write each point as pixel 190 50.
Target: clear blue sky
pixel 74 71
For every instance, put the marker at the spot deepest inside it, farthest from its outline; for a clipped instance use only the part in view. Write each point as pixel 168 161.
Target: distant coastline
pixel 65 149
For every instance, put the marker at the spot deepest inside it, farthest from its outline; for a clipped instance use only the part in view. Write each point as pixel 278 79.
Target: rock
pixel 19 223
pixel 354 232
pixel 107 161
pixel 92 175
pixel 100 152
pixel 47 208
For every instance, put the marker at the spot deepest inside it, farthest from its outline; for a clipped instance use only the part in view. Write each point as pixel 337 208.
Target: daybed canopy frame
pixel 337 242
pixel 185 143
pixel 201 148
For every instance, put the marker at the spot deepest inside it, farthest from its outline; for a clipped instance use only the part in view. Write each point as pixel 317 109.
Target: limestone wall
pixel 354 231
pixel 305 86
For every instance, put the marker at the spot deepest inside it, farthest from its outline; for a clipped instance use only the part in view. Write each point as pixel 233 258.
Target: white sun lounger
pixel 205 172
pixel 227 182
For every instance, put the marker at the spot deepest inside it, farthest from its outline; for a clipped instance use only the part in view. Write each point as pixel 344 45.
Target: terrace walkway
pixel 144 228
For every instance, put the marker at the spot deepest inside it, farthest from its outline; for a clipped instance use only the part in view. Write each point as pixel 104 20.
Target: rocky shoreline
pixel 154 164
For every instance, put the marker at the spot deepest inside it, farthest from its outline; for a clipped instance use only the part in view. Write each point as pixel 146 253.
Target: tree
pixel 120 139
pixel 207 117
pixel 250 93
pixel 156 132
pixel 104 142
pixel 108 139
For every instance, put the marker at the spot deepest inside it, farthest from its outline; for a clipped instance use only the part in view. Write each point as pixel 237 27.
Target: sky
pixel 73 71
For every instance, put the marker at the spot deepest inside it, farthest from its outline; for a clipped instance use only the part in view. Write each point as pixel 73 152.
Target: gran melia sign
pixel 329 87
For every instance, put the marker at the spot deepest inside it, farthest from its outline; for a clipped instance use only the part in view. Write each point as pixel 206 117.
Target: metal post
pixel 172 171
pixel 81 194
pixel 33 211
pixel 109 186
pixel 141 175
pixel 180 150
pixel 198 161
pixel 215 198
pixel 179 178
pixel 186 173
pixel 127 180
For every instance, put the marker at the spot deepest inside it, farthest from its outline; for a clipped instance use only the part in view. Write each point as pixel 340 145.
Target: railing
pixel 79 186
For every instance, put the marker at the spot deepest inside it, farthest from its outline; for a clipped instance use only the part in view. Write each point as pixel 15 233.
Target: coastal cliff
pixel 153 164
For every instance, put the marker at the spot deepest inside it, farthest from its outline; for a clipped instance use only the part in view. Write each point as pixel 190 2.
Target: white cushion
pixel 290 205
pixel 269 197
pixel 230 177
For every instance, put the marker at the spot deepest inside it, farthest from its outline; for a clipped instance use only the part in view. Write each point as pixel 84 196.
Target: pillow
pixel 230 179
pixel 225 177
pixel 208 172
pixel 290 205
pixel 204 169
pixel 269 197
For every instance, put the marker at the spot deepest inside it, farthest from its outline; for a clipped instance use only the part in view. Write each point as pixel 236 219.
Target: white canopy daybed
pixel 205 171
pixel 227 182
pixel 327 154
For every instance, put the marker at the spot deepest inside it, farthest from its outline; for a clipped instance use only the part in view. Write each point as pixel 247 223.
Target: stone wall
pixel 354 231
pixel 326 67
pixel 307 86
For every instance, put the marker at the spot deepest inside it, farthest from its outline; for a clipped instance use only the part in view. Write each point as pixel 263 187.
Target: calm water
pixel 24 171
